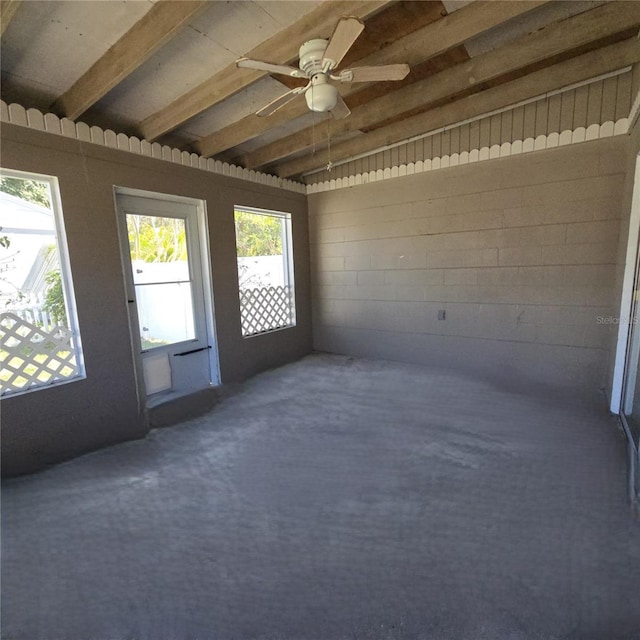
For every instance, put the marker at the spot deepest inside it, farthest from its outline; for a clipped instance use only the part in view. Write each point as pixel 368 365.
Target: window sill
pixel 269 331
pixel 41 387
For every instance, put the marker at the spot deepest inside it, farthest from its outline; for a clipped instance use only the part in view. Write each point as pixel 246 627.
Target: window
pixel 39 338
pixel 265 270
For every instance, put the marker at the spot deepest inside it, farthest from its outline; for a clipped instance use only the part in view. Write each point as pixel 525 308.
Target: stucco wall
pixel 520 253
pixel 52 424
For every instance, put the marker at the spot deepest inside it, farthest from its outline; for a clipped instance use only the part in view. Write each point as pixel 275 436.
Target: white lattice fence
pixel 265 309
pixel 32 356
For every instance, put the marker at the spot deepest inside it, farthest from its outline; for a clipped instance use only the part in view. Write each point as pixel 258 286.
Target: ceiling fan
pixel 318 61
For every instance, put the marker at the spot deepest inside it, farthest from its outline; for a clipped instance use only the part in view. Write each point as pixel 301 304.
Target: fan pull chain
pixel 329 163
pixel 313 126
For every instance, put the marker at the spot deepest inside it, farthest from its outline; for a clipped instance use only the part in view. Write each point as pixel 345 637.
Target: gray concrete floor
pixel 336 499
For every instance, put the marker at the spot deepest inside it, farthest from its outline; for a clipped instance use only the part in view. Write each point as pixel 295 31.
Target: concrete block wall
pixel 520 253
pixel 55 423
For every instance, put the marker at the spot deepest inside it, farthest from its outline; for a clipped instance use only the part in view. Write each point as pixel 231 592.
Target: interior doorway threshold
pixel 168 409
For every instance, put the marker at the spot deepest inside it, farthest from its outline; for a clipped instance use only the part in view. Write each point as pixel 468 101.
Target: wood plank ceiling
pixel 165 70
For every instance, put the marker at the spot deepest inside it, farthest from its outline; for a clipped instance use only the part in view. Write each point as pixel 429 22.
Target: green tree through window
pixel 156 239
pixel 257 235
pixel 54 299
pixel 30 190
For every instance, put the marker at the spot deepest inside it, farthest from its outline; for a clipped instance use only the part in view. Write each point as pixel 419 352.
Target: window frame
pixel 66 279
pixel 287 263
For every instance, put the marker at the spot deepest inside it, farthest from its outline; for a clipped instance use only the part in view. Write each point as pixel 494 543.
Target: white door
pixel 166 262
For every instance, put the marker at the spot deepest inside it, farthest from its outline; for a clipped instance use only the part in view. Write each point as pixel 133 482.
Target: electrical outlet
pixel 442 314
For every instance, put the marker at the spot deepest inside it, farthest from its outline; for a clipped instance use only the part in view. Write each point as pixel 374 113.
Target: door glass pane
pixel 161 275
pixel 165 313
pixel 158 249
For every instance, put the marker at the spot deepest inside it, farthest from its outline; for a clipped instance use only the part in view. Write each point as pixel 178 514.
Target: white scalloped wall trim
pixel 51 123
pixel 581 134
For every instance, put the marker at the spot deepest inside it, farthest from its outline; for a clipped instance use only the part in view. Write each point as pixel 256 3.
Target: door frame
pixel 625 349
pixel 207 285
pixel 626 301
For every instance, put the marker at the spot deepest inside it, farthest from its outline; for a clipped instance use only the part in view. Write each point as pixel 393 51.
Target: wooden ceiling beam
pixel 451 31
pixel 417 47
pixel 152 31
pixel 282 48
pixel 8 10
pixel 551 78
pixel 555 39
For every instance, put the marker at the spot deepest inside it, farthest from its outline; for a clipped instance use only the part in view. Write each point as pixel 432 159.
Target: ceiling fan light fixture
pixel 321 96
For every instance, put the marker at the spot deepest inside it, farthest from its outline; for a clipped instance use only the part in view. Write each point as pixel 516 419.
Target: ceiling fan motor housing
pixel 311 56
pixel 321 96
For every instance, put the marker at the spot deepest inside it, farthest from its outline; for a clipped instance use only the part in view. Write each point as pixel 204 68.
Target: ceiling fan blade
pixel 345 34
pixel 258 65
pixel 340 110
pixel 276 104
pixel 375 74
